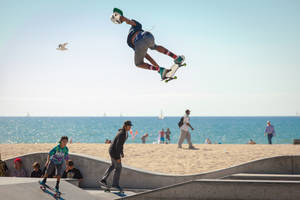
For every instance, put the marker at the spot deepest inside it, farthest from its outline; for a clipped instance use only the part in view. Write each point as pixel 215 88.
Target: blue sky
pixel 243 58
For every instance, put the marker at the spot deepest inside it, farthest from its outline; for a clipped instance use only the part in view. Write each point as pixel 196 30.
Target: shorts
pixel 145 41
pixel 162 139
pixel 59 170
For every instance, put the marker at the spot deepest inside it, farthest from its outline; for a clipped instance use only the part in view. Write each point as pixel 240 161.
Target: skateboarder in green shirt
pixel 140 41
pixel 55 159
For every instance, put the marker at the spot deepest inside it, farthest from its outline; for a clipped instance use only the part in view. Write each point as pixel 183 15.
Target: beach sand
pixel 168 158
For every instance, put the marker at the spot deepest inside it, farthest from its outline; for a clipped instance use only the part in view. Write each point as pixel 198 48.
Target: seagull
pixel 62 47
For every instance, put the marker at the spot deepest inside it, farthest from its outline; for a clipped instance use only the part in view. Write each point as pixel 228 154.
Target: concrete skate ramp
pixel 281 177
pixel 28 188
pixel 208 189
pixel 93 168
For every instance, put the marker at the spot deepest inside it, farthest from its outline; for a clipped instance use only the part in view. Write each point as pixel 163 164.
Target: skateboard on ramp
pixel 113 190
pixel 51 191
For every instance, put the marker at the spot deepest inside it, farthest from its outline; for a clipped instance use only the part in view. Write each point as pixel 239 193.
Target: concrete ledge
pixel 93 168
pixel 245 176
pixel 208 189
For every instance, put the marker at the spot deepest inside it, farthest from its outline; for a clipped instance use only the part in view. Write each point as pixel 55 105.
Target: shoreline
pixel 167 158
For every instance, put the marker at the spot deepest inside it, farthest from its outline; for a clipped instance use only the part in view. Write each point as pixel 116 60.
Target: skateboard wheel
pixel 175 77
pixel 184 64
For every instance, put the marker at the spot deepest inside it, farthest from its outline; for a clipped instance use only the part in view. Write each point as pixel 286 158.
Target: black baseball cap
pixel 128 123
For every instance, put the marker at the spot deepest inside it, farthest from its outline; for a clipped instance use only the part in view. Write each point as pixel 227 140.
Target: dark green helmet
pixel 117 10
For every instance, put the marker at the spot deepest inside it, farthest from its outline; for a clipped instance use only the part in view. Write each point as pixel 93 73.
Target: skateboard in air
pixel 171 74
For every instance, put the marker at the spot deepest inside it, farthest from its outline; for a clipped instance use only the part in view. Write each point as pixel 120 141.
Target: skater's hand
pixel 122 155
pixel 192 129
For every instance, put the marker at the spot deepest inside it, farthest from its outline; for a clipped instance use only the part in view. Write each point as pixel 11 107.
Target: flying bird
pixel 62 47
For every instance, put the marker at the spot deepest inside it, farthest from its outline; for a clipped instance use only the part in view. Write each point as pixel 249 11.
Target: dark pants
pixel 114 166
pixel 270 138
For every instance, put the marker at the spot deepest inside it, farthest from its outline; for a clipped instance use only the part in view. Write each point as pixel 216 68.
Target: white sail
pixel 161 116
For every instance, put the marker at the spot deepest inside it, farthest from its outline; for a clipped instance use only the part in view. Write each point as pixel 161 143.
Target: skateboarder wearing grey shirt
pixel 116 152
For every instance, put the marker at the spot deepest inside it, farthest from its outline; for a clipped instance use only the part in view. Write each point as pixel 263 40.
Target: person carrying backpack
pixel 184 125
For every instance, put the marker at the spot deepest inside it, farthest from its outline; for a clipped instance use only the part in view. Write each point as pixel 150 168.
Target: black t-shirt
pixel 132 31
pixel 116 147
pixel 72 173
pixel 37 174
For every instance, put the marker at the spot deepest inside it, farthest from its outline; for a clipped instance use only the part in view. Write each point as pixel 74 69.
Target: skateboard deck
pixel 171 74
pixel 113 190
pixel 45 188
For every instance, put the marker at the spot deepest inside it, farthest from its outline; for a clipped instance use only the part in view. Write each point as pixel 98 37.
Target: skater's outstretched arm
pixel 151 60
pixel 127 21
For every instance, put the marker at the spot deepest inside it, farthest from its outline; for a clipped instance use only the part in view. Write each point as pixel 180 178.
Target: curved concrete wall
pixel 93 168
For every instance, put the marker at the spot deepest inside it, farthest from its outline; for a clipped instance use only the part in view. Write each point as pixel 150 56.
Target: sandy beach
pixel 168 158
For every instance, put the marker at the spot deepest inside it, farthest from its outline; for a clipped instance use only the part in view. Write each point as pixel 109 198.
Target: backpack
pixel 180 123
pixel 3 168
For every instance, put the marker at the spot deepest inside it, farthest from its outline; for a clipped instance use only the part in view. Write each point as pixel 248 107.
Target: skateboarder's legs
pixel 117 166
pixel 59 171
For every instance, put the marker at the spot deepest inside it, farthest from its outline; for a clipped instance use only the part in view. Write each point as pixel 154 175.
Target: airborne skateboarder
pixel 140 41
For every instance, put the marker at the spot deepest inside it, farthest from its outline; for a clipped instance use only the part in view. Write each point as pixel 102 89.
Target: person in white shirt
pixel 184 131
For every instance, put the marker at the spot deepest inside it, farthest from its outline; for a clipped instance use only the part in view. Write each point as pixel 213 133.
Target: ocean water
pixel 226 130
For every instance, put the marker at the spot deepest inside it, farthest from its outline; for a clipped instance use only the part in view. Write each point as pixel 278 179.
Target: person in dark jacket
pixel 116 152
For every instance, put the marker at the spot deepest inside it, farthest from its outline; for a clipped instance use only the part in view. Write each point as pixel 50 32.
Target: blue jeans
pixel 270 138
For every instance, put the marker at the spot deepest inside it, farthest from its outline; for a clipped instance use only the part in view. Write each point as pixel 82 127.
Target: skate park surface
pixel 270 178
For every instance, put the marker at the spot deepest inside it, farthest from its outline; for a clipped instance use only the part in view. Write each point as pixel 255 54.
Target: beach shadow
pixel 194 149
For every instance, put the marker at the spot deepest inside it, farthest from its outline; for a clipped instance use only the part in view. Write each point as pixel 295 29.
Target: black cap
pixel 128 123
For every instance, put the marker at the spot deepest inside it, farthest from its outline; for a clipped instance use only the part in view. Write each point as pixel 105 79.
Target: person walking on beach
pixel 116 152
pixel 184 125
pixel 270 131
pixel 56 158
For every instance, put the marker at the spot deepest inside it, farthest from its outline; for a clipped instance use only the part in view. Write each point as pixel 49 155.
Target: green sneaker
pixel 162 71
pixel 179 60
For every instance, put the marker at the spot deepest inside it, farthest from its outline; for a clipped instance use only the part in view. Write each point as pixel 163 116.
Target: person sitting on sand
pixel 251 142
pixel 107 141
pixel 72 172
pixel 207 141
pixel 18 170
pixel 37 172
pixel 144 137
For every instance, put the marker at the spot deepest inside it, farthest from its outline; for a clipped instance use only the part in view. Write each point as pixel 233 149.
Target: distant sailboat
pixel 161 116
pixel 104 115
pixel 27 115
pixel 297 114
